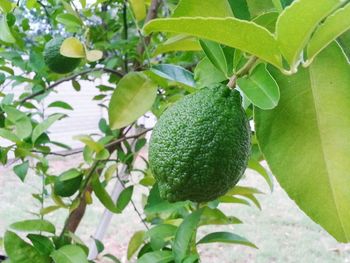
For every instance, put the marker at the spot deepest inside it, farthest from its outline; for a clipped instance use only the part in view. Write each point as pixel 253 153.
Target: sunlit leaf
pixel 72 47
pixel 307 147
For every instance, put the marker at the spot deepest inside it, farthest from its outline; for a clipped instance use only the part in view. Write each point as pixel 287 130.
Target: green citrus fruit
pixel 57 62
pixel 67 183
pixel 200 147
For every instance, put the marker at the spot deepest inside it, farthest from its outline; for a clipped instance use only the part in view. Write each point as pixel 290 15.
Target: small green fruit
pixel 200 147
pixel 68 183
pixel 57 62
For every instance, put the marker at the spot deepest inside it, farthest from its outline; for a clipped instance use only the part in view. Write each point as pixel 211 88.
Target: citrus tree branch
pixel 72 77
pixel 242 72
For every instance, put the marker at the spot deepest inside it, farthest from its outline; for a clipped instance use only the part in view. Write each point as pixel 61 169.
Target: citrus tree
pixel 212 67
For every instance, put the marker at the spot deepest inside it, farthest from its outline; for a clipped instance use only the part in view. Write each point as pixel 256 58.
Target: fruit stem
pixel 242 72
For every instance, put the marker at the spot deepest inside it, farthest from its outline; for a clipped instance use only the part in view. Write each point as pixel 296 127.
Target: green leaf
pixel 159 234
pixel 60 104
pixel 174 73
pixel 178 43
pixel 233 200
pixel 308 146
pixel 215 54
pixel 225 237
pixel 6 134
pixel 139 9
pixel 215 216
pixel 72 47
pixel 34 225
pixel 20 251
pixel 5 32
pixel 260 88
pixel 6 6
pixel 256 166
pixel 333 27
pixel 206 74
pixel 112 258
pixel 124 198
pixel 240 9
pixel 267 20
pixel 42 243
pixel 21 170
pixel 203 8
pixel 304 23
pixel 232 32
pixel 258 7
pixel 69 254
pixel 88 141
pixel 156 257
pixel 135 242
pixel 133 97
pixel 184 235
pixel 103 195
pixel 69 20
pixel 21 120
pixel 42 127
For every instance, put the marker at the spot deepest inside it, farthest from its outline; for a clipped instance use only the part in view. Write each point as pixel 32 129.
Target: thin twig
pixel 111 144
pixel 242 72
pixel 40 92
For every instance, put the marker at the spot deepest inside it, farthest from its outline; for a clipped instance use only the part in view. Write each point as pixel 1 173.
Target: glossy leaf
pixel 225 237
pixel 184 235
pixel 308 146
pixel 88 141
pixel 69 254
pixel 5 32
pixel 258 7
pixel 174 73
pixel 135 243
pixel 139 9
pixel 20 251
pixel 159 234
pixel 304 23
pixel 133 97
pixel 34 225
pixel 72 47
pixel 46 124
pixel 156 257
pixel 260 88
pixel 215 54
pixel 232 32
pixel 333 27
pixel 203 8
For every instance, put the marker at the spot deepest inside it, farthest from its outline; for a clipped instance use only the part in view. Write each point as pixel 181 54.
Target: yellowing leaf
pixel 139 9
pixel 94 55
pixel 72 47
pixel 232 32
pixel 133 97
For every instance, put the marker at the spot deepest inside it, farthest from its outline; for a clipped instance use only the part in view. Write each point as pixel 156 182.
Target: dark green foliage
pixel 55 61
pixel 200 147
